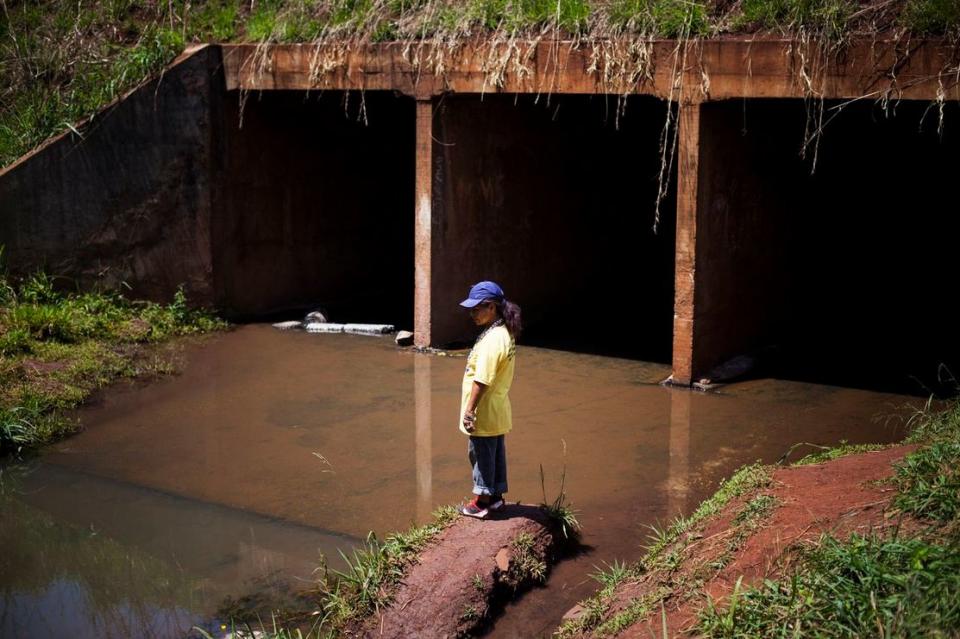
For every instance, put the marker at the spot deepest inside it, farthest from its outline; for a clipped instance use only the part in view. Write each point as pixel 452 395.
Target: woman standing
pixel 485 407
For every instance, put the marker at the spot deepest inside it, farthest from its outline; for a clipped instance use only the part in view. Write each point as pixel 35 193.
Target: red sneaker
pixel 475 508
pixel 496 503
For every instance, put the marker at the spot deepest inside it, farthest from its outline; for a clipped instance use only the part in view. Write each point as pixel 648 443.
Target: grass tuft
pixel 559 509
pixel 861 587
pixel 365 586
pixel 56 349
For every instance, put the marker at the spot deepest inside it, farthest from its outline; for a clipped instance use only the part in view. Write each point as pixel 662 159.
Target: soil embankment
pixel 458 582
pixel 753 537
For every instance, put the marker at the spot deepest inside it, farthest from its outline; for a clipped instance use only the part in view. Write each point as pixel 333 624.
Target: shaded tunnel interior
pixel 555 199
pixel 845 275
pixel 313 206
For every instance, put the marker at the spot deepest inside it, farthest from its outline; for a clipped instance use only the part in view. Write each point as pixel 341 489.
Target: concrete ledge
pixel 714 69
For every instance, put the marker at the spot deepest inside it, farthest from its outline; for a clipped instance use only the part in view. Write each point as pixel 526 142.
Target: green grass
pixel 61 62
pixel 888 584
pixel 860 587
pixel 56 349
pixel 836 452
pixel 525 565
pixel 932 17
pixel 665 553
pixel 364 587
pixel 928 482
pixel 827 17
pixel 559 509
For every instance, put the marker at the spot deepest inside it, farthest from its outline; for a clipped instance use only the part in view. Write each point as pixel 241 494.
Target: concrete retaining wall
pixel 129 201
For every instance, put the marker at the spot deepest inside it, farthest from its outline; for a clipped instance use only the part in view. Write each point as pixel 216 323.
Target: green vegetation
pixel 862 587
pixel 932 17
pixel 61 62
pixel 892 584
pixel 828 17
pixel 364 587
pixel 665 553
pixel 560 510
pixel 56 349
pixel 525 564
pixel 902 581
pixel 836 452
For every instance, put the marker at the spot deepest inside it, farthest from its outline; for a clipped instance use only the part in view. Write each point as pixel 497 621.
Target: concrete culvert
pixel 554 199
pixel 314 204
pixel 838 275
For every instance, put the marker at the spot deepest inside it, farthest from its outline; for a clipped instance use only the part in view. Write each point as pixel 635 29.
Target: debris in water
pixel 361 329
pixel 324 327
pixel 368 329
pixel 288 326
pixel 404 338
pixel 316 316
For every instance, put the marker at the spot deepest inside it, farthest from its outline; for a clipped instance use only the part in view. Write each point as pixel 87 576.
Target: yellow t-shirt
pixel 491 363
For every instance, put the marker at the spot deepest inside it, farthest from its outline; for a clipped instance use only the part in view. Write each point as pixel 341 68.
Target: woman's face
pixel 483 313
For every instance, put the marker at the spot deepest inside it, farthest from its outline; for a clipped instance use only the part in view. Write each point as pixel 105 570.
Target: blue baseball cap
pixel 482 292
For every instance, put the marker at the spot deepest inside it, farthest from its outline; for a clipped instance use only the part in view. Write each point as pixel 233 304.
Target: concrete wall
pixel 551 200
pixel 313 206
pixel 130 200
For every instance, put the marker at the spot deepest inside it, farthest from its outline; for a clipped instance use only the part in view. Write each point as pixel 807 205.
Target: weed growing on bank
pixel 559 509
pixel 364 587
pixel 352 594
pixel 865 586
pixel 665 553
pixel 899 584
pixel 61 62
pixel 56 349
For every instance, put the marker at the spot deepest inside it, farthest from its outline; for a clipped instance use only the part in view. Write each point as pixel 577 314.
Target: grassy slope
pixel 894 585
pixel 55 350
pixel 61 61
pixel 881 585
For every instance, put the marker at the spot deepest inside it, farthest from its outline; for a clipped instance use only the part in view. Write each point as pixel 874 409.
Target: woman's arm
pixel 470 413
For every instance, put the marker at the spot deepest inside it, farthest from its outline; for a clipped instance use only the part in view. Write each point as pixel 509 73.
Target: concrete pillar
pixel 423 224
pixel 729 225
pixel 688 157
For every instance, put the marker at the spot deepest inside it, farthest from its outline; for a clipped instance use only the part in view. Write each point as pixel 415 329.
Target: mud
pixel 333 436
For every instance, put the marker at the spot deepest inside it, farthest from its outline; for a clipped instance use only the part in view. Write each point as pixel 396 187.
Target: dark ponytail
pixel 510 313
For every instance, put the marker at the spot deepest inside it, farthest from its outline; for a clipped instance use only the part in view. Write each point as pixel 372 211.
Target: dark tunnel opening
pixel 313 206
pixel 554 198
pixel 859 258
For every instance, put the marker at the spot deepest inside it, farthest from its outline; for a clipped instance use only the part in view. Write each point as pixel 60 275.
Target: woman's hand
pixel 469 421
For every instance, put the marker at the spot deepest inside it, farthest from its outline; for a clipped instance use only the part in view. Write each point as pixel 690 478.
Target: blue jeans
pixel 488 456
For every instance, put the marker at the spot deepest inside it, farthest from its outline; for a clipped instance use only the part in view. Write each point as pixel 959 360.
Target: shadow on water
pixel 273 446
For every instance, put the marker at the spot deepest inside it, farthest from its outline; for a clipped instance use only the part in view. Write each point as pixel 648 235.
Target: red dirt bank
pixel 839 497
pixel 471 567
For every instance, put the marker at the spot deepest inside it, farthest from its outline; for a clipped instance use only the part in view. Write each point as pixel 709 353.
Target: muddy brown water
pixel 273 447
